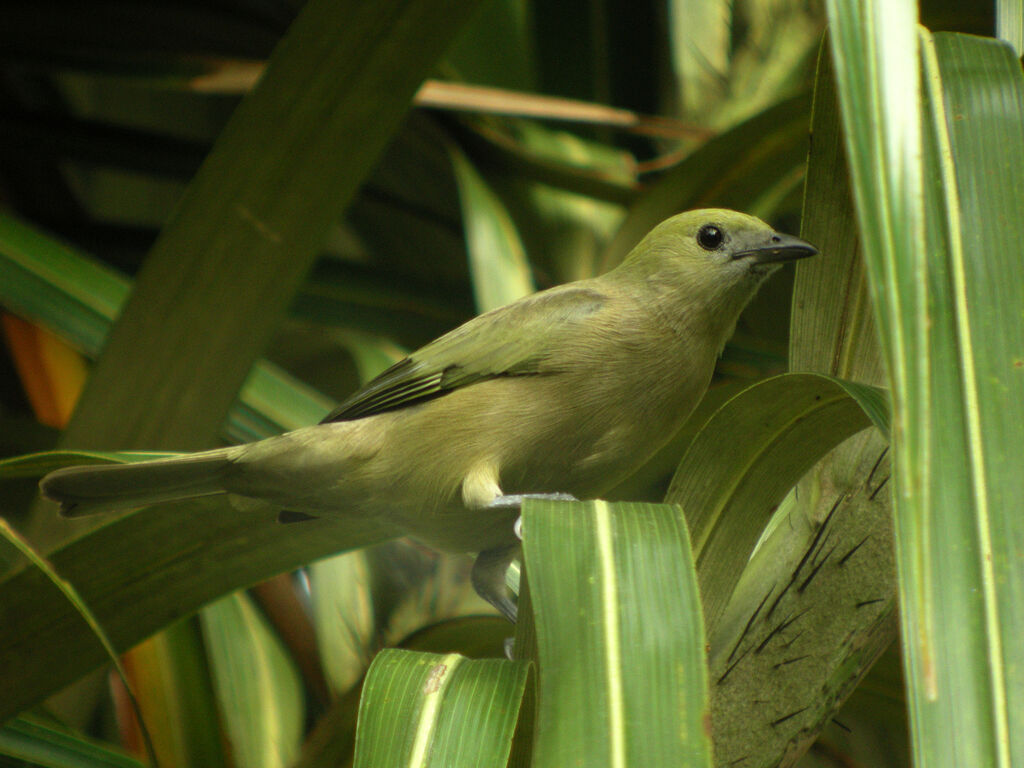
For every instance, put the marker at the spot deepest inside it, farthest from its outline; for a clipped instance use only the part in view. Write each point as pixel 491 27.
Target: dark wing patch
pixel 520 339
pixel 403 383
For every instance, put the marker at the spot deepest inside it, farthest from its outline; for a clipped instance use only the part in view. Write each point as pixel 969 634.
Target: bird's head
pixel 710 262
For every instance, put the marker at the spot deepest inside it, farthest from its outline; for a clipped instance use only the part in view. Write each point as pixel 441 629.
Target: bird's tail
pixel 84 490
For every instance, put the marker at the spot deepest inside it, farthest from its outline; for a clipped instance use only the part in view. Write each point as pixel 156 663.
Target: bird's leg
pixel 491 565
pixel 488 578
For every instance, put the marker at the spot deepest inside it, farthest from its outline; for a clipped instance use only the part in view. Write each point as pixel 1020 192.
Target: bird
pixel 560 394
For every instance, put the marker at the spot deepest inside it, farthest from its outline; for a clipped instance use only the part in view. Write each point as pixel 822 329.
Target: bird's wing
pixel 519 339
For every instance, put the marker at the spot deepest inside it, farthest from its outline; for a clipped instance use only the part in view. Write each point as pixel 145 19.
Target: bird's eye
pixel 709 237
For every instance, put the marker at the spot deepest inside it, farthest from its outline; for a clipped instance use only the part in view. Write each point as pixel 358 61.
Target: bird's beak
pixel 779 248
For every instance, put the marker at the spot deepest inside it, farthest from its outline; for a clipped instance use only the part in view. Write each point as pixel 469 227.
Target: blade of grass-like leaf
pixel 499 268
pixel 564 231
pixel 343 617
pixel 700 32
pixel 170 675
pixel 331 742
pixel 258 688
pixel 236 77
pixel 421 709
pixel 38 464
pixel 42 745
pixel 252 220
pixel 71 597
pixel 465 97
pixel 140 572
pixel 773 432
pixel 972 526
pixel 942 289
pixel 78 299
pixel 621 646
pixel 1010 23
pixel 51 283
pixel 833 327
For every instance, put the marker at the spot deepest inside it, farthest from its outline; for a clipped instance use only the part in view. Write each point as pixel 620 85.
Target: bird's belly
pixel 585 462
pixel 559 441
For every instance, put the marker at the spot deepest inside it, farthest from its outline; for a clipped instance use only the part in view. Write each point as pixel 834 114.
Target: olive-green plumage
pixel 565 391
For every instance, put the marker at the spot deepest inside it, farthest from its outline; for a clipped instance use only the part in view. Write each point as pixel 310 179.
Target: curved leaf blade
pixel 423 709
pixel 78 298
pixel 256 684
pixel 497 260
pixel 622 673
pixel 40 744
pixel 207 548
pixel 938 209
pixel 772 433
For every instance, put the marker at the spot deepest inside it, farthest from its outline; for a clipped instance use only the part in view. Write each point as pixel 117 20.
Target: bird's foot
pixel 491 565
pixel 515 500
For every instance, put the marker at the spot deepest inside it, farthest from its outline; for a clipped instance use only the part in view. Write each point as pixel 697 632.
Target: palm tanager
pixel 565 392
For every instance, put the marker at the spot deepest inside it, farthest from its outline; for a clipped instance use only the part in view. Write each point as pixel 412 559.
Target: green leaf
pixel 938 208
pixel 771 434
pixel 564 230
pixel 78 298
pixel 257 686
pixel 40 744
pixel 1010 23
pixel 498 265
pixel 700 33
pixel 421 709
pixel 70 597
pixel 39 464
pixel 177 706
pixel 977 370
pixel 343 616
pixel 833 329
pixel 140 572
pixel 622 676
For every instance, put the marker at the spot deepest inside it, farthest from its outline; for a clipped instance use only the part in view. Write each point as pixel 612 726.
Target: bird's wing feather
pixel 515 340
